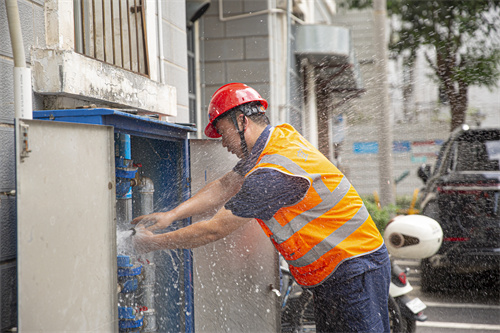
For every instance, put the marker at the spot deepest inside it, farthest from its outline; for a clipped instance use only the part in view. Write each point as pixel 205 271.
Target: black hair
pixel 253 110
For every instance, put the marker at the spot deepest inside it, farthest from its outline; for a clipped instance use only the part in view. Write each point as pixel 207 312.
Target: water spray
pixel 133 231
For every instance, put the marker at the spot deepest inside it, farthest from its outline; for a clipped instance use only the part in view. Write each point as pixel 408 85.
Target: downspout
pixel 250 14
pixel 160 40
pixel 23 107
pixel 273 94
pixel 198 80
pixel 288 59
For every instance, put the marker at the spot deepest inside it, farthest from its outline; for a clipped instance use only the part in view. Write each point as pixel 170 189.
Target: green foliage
pixel 380 215
pixel 404 202
pixel 464 36
pixel 459 31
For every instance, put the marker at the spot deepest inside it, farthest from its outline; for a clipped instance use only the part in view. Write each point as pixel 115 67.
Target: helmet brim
pixel 211 131
pixel 227 98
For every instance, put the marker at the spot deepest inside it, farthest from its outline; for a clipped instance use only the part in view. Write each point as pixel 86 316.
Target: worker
pixel 310 211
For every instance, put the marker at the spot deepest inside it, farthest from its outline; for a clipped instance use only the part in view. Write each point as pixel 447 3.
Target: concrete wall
pixel 174 62
pixel 32 22
pixel 234 50
pixel 418 144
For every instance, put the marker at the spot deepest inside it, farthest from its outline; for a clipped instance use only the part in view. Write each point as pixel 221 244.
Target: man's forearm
pixel 210 198
pixel 200 233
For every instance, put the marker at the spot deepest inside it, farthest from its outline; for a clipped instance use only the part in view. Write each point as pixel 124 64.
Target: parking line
pixel 408 262
pixel 467 326
pixel 461 305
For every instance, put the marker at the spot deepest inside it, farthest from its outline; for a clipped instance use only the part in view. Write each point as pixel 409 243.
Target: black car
pixel 462 193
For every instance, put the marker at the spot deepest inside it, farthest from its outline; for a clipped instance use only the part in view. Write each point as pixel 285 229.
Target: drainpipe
pixel 23 107
pixel 270 10
pixel 288 59
pixel 160 40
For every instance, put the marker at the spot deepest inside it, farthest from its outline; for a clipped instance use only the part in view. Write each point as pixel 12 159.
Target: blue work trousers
pixel 354 298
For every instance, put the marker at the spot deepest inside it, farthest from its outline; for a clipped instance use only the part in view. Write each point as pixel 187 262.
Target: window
pixel 478 156
pixel 113 31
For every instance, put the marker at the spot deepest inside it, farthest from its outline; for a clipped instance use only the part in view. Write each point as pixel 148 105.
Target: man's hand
pixel 191 236
pixel 207 201
pixel 143 240
pixel 155 221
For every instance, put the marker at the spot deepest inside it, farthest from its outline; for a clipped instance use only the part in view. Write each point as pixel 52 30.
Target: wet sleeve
pixel 239 168
pixel 265 191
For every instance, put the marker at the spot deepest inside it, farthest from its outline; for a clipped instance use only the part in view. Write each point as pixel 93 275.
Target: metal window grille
pixel 113 31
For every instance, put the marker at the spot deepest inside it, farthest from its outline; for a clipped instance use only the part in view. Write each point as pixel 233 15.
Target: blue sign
pixel 371 147
pixel 365 147
pixel 401 146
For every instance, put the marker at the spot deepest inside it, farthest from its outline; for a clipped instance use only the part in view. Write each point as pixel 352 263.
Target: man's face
pixel 230 137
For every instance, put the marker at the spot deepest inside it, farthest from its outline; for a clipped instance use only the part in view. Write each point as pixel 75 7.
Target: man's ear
pixel 242 121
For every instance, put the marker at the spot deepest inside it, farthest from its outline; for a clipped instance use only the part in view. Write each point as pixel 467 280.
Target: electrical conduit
pixel 23 107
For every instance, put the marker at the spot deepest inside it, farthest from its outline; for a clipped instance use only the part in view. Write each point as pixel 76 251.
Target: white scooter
pixel 406 237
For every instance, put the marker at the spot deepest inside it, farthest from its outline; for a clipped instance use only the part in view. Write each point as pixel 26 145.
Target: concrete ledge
pixel 67 73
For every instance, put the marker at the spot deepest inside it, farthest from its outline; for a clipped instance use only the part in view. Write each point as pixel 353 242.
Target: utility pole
pixel 384 119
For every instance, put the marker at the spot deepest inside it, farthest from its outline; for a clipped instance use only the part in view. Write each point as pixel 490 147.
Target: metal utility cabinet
pixel 69 211
pixel 82 175
pixel 65 209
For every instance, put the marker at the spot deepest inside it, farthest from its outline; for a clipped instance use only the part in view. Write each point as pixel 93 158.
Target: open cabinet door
pixel 67 277
pixel 234 276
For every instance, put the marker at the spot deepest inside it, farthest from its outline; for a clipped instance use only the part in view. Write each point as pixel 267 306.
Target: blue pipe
pixel 122 146
pixel 125 170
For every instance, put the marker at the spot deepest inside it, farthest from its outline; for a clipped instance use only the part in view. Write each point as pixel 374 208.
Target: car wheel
pixel 432 279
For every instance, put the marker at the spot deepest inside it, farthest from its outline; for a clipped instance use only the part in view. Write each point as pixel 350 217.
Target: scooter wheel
pixel 396 321
pixel 411 325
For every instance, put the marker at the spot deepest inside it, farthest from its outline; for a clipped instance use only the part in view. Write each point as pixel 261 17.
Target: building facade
pixel 164 59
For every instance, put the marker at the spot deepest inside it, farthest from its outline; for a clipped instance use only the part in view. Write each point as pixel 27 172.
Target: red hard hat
pixel 226 98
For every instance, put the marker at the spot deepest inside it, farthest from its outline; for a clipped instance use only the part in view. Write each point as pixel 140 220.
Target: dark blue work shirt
pixel 264 191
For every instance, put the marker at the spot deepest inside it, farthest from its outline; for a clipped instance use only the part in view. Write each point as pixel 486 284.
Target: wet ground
pixel 472 305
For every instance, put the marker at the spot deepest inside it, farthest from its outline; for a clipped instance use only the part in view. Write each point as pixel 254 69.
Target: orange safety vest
pixel 329 225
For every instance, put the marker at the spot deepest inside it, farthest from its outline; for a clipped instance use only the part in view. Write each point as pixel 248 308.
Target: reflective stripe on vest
pixel 329 224
pixel 332 240
pixel 329 200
